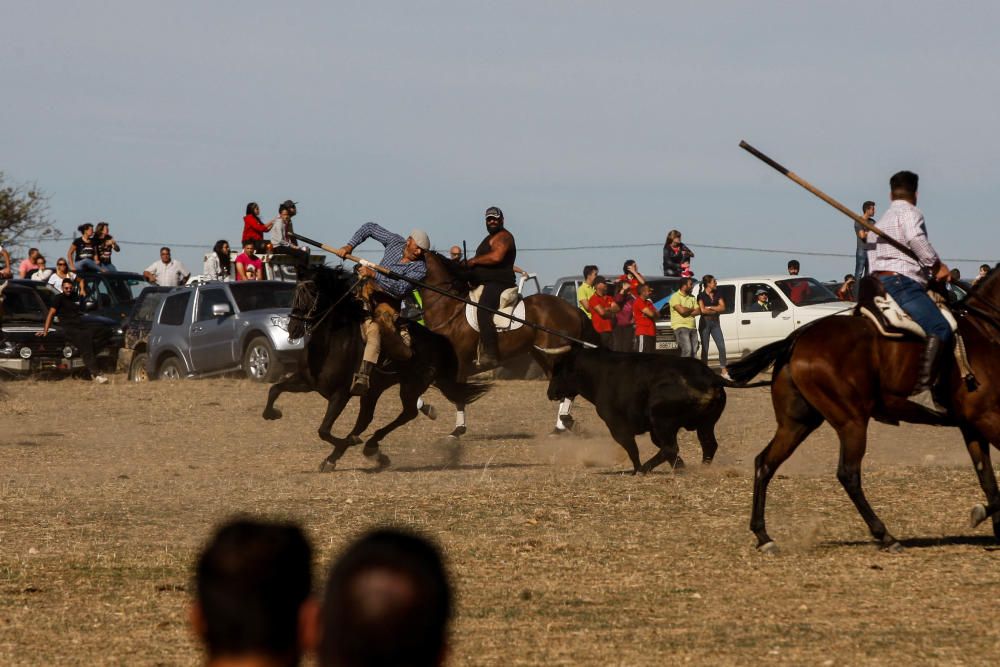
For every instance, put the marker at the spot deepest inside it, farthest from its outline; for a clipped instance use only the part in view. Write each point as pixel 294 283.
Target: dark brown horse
pixel 842 371
pixel 446 316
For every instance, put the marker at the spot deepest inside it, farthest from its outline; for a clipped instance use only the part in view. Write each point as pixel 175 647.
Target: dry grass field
pixel 107 492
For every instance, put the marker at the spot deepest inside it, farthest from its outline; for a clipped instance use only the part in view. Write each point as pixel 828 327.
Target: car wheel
pixel 137 370
pixel 171 369
pixel 260 362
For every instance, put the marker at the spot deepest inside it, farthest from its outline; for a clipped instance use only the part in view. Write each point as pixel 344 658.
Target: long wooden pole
pixel 829 200
pixel 417 283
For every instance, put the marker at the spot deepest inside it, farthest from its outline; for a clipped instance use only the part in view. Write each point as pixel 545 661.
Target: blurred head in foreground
pixel 387 602
pixel 253 587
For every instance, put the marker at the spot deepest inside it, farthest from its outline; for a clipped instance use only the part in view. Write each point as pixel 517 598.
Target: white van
pixel 794 301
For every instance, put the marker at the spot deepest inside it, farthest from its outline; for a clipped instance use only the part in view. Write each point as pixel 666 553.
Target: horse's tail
pixel 751 366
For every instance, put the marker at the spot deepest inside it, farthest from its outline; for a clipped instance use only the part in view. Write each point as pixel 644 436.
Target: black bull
pixel 639 393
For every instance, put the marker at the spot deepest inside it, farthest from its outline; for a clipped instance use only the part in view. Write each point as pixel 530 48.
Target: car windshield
pixel 132 287
pixel 256 295
pixel 23 305
pixel 805 291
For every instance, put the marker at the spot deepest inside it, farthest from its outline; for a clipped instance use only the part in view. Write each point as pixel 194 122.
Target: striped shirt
pixel 905 223
pixel 392 259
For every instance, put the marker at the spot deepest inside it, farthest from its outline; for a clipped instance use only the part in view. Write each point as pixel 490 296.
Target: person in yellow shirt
pixel 683 309
pixel 586 289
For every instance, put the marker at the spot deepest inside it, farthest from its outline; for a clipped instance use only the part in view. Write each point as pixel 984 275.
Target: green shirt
pixel 678 321
pixel 583 293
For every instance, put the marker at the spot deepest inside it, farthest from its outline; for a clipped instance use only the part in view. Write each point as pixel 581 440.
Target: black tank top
pixel 502 272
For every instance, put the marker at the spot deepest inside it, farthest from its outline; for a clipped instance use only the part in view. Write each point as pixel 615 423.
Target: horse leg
pixel 664 435
pixel 294 383
pixel 979 451
pixel 334 406
pixel 459 421
pixel 853 443
pixel 796 420
pixel 366 412
pixel 409 396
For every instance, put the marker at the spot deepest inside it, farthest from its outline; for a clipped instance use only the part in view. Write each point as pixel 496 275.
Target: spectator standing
pixel 248 264
pixel 254 605
pixel 602 310
pixel 676 256
pixel 984 270
pixel 798 290
pixel 586 289
pixel 82 254
pixel 455 253
pixel 167 272
pixel 683 309
pixel 253 228
pixel 87 338
pixel 644 314
pixel 218 265
pixel 387 602
pixel 711 304
pixel 631 275
pixel 106 246
pixel 623 335
pixel 62 273
pixel 27 264
pixel 6 271
pixel 847 291
pixel 42 273
pixel 861 249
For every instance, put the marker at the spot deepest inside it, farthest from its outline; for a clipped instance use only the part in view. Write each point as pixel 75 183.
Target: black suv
pixel 22 352
pixel 112 294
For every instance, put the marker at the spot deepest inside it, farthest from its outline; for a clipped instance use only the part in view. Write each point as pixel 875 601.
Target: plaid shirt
pixel 905 223
pixel 392 259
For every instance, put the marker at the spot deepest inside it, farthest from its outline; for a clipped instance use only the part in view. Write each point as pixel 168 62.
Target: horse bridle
pixel 309 319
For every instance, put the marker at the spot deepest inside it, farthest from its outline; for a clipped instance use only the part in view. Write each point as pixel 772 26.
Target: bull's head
pixel 564 381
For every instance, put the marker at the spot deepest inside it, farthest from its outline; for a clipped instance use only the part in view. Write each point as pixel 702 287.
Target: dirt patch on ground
pixel 106 493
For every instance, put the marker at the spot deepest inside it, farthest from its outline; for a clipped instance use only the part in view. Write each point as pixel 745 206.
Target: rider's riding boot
pixel 488 358
pixel 922 394
pixel 359 387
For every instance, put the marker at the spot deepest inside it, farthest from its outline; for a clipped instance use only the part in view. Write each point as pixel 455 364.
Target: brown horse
pixel 446 316
pixel 842 371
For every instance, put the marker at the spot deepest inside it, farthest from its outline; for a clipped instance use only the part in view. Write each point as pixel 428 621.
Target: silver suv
pixel 221 327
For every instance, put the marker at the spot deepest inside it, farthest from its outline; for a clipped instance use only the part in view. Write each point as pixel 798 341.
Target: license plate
pixel 666 345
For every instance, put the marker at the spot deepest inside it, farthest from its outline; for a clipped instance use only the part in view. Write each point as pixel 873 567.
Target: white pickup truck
pixel 795 301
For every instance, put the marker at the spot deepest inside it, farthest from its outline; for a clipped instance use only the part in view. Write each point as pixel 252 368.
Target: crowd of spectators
pixel 387 599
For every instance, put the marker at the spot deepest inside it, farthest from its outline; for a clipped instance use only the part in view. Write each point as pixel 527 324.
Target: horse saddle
pixel 889 318
pixel 510 303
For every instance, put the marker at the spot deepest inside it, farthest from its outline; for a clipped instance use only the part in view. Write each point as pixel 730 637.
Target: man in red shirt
pixel 602 309
pixel 248 265
pixel 645 321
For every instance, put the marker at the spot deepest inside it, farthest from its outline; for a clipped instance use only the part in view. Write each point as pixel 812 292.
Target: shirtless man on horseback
pixel 493 268
pixel 383 294
pixel 906 279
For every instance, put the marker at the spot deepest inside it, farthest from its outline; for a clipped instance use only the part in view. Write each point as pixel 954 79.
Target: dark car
pixel 44 290
pixel 22 351
pixel 135 332
pixel 112 294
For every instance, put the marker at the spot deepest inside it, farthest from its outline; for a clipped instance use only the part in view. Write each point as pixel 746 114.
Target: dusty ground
pixel 107 492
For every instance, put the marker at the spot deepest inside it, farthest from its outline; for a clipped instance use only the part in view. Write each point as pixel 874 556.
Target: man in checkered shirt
pixel 905 279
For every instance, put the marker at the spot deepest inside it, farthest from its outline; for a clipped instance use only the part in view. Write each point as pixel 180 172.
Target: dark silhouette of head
pixel 387 602
pixel 903 185
pixel 253 585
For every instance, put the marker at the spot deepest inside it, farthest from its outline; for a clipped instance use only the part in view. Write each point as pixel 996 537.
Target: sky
pixel 602 125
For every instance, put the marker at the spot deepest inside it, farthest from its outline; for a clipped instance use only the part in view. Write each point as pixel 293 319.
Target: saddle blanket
pixel 510 303
pixel 893 322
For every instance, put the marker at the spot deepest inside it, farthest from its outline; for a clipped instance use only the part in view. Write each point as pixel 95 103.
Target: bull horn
pixel 554 350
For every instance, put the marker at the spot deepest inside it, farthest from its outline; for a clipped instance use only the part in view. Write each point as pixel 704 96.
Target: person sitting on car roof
pixel 106 246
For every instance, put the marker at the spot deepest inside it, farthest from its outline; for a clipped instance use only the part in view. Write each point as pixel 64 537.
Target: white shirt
pixel 56 280
pixel 43 275
pixel 279 232
pixel 168 275
pixel 905 223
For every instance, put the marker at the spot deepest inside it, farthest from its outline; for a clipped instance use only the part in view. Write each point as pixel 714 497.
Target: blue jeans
pixel 687 340
pixel 87 265
pixel 860 269
pixel 107 267
pixel 913 298
pixel 711 327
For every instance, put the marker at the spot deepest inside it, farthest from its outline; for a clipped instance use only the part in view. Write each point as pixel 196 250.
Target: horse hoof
pixel 679 464
pixel 567 420
pixel 978 515
pixel 429 411
pixel 271 414
pixel 371 451
pixel 894 548
pixel 352 440
pixel 327 466
pixel 458 432
pixel 382 462
pixel 768 548
pixel 557 432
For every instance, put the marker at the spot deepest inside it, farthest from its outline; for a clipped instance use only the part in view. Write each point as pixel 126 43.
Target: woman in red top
pixel 631 275
pixel 253 228
pixel 645 321
pixel 602 309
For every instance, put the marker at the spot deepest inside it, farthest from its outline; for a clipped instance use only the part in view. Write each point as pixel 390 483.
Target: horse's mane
pixel 325 292
pixel 456 281
pixel 986 289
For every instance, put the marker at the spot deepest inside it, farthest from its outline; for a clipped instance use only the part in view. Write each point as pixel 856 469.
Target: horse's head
pixel 323 294
pixel 445 272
